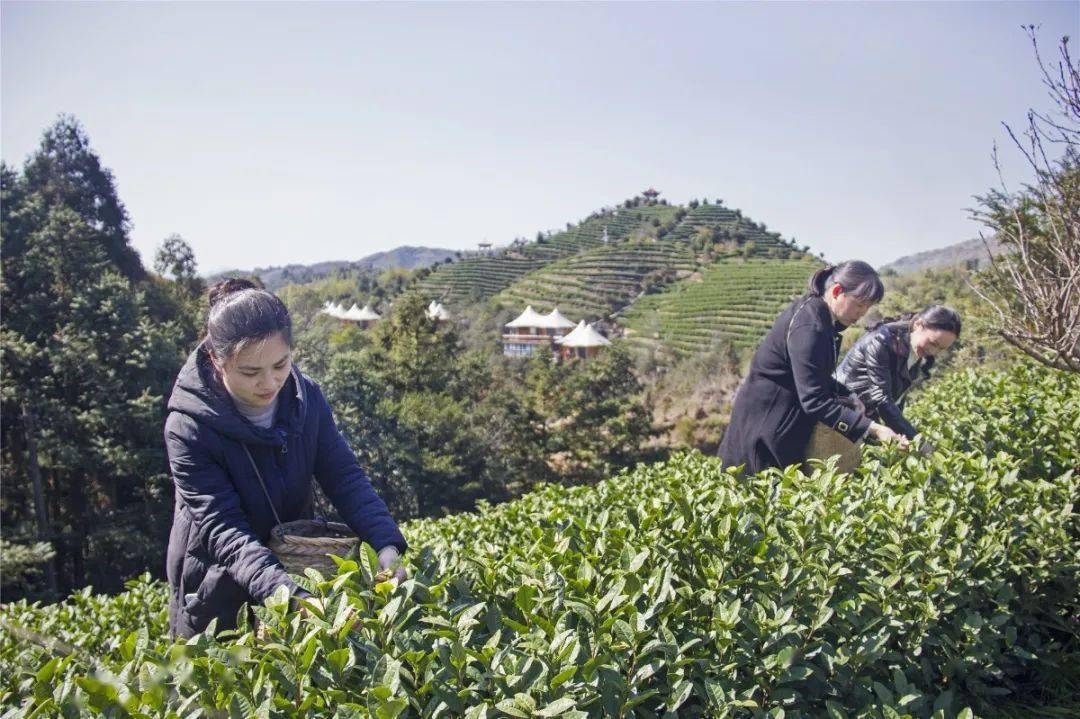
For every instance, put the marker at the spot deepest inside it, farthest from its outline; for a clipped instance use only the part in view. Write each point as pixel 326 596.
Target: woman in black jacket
pixel 246 432
pixel 790 386
pixel 893 356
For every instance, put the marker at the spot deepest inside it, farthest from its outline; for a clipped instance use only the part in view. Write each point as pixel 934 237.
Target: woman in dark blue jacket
pixel 238 402
pixel 790 386
pixel 893 356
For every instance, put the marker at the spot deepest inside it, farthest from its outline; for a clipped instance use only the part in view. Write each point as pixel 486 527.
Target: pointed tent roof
pixel 436 311
pixel 557 320
pixel 528 318
pixel 366 314
pixel 351 313
pixel 584 336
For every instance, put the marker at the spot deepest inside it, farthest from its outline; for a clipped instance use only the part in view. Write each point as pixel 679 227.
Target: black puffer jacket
pixel 788 390
pixel 217 559
pixel 876 370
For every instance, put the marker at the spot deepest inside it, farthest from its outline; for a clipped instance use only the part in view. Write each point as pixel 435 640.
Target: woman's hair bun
pixel 227 287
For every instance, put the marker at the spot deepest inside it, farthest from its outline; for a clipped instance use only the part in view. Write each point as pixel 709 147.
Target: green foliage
pixel 599 421
pixel 21 566
pixel 91 345
pixel 435 425
pixel 595 282
pixel 732 301
pixel 918 586
pixel 175 260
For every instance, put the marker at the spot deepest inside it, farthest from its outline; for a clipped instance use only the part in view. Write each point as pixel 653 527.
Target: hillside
pixel 479 276
pixel 597 282
pixel 962 253
pixel 925 586
pixel 406 257
pixel 594 283
pixel 733 301
pixel 694 234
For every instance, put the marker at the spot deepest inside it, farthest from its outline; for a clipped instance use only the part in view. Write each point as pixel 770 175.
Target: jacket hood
pixel 200 395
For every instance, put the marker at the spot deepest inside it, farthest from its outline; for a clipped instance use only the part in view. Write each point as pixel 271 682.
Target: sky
pixel 274 133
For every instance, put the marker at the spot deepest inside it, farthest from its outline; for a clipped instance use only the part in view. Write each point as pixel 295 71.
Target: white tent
pixel 436 311
pixel 529 318
pixel 366 314
pixel 556 320
pixel 583 336
pixel 351 313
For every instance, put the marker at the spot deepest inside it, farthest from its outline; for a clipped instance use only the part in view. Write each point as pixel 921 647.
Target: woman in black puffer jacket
pixel 894 356
pixel 247 435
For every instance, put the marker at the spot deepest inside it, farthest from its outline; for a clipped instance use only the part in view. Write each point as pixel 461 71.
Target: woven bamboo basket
pixel 826 442
pixel 310 542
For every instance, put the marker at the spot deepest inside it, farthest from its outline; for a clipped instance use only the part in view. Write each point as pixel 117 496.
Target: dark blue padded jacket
pixel 217 559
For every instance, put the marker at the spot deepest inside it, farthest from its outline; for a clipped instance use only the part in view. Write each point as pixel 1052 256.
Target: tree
pixel 91 345
pixel 437 427
pixel 1033 284
pixel 601 420
pixel 175 260
pixel 66 172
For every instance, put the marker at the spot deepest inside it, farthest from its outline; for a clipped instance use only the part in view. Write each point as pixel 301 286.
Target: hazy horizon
pixel 269 134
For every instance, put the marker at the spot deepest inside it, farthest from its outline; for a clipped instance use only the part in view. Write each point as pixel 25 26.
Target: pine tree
pixel 91 345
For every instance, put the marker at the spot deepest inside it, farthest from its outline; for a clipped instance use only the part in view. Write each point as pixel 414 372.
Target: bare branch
pixel 1033 284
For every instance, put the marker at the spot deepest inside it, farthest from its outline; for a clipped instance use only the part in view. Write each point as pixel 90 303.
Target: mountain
pixel 672 279
pixel 606 260
pixel 969 251
pixel 406 257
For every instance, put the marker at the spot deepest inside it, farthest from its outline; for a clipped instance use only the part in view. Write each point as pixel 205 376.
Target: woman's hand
pixel 390 564
pixel 886 435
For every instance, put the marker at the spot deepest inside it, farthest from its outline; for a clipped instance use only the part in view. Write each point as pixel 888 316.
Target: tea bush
pixel 918 586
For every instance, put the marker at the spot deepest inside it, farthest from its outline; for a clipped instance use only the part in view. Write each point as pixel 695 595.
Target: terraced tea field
pixel 543 266
pixel 735 301
pixel 591 285
pixel 478 277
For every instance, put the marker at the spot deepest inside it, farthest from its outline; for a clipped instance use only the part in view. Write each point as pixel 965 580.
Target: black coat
pixel 876 370
pixel 789 388
pixel 217 559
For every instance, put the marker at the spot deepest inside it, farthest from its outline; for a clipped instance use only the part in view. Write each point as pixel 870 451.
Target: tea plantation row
pixel 925 586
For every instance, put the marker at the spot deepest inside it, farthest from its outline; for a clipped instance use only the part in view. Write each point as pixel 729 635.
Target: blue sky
pixel 268 133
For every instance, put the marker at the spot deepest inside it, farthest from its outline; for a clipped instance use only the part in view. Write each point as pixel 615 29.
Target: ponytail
pixel 855 278
pixel 818 280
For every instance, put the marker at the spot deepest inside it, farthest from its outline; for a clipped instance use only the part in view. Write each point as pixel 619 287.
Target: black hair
pixel 935 317
pixel 241 313
pixel 855 277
